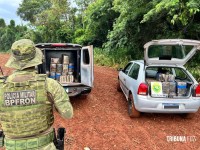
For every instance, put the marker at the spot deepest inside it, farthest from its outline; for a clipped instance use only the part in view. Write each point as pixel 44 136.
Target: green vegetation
pixel 117 29
pixel 111 59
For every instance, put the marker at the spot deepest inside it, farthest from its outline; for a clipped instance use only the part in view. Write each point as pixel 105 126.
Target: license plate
pixel 170 106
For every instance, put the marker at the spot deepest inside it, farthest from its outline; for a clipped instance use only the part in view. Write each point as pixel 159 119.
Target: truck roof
pixel 53 45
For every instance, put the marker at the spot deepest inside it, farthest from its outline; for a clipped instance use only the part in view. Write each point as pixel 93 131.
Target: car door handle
pixel 124 79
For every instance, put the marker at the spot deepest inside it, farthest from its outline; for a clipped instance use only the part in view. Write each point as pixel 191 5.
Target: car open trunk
pixel 168 82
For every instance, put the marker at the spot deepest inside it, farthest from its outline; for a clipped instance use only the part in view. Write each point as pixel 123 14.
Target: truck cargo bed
pixel 74 57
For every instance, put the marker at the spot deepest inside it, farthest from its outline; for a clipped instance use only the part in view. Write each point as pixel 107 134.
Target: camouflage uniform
pixel 27 122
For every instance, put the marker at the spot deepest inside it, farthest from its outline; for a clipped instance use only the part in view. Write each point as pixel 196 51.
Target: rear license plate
pixel 170 106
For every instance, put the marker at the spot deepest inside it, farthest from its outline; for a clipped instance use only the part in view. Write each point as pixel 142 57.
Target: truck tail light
pixel 59 45
pixel 197 91
pixel 143 89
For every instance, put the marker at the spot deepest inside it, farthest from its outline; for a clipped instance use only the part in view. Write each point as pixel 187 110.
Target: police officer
pixel 26 100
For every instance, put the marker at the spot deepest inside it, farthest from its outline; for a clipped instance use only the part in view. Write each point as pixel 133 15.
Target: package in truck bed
pixel 65 59
pixel 55 60
pixel 59 68
pixel 52 67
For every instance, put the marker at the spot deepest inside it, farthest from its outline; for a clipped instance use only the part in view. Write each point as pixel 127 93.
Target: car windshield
pixel 167 52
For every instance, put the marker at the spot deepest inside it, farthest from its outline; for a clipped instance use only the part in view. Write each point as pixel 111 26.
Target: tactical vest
pixel 24 106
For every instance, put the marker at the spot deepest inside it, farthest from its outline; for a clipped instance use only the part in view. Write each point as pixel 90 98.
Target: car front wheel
pixel 132 111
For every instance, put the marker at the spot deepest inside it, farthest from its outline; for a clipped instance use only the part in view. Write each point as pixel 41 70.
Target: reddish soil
pixel 101 121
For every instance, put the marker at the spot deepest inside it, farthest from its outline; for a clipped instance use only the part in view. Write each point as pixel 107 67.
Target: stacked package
pixel 67 74
pixel 165 88
pixel 168 84
pixel 54 73
pixel 63 72
pixel 170 87
pixel 181 88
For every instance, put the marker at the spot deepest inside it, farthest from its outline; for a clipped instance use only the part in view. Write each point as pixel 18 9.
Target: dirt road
pixel 101 122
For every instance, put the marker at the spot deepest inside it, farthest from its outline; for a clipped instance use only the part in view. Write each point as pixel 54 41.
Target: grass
pixel 111 59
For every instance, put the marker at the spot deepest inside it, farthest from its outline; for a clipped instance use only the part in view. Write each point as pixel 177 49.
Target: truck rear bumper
pixel 75 91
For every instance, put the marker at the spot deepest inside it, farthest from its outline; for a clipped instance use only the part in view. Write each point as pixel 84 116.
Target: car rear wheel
pixel 118 87
pixel 132 111
pixel 188 115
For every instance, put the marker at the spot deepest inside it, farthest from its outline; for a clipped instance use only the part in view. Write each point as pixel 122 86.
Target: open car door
pixel 87 72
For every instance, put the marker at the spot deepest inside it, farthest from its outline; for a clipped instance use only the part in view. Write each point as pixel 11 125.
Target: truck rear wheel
pixel 132 111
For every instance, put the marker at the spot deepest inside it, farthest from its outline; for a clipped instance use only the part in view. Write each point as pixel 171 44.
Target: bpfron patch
pixel 20 98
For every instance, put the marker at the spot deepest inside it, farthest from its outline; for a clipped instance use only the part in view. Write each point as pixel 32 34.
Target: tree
pixel 2 23
pixel 28 9
pixel 181 11
pixel 7 39
pixel 99 18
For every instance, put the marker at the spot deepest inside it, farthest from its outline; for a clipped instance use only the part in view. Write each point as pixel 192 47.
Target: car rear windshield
pixel 169 51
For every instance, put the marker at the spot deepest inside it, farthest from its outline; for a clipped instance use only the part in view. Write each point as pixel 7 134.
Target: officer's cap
pixel 24 55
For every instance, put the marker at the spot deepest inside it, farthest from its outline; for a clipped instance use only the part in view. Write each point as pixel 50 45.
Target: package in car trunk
pixel 171 78
pixel 169 89
pixel 165 88
pixel 172 89
pixel 181 88
pixel 161 77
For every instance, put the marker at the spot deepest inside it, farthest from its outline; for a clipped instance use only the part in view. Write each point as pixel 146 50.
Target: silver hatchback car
pixel 160 83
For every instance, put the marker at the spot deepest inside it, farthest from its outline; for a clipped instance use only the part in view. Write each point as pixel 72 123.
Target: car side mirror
pixel 120 69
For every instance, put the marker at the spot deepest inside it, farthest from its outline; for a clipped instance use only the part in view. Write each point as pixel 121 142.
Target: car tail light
pixel 143 89
pixel 197 91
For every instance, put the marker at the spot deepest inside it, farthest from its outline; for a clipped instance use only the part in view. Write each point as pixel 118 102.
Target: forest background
pixel 117 29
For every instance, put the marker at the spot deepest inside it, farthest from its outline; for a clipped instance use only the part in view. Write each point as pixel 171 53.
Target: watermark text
pixel 183 139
